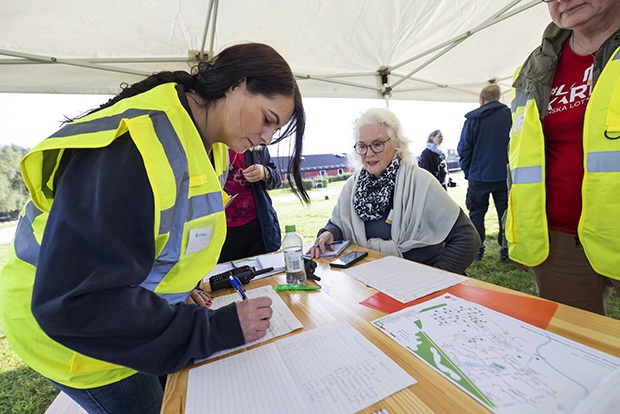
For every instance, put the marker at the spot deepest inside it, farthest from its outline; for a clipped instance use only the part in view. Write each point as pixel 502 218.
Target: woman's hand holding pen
pixel 254 315
pixel 320 244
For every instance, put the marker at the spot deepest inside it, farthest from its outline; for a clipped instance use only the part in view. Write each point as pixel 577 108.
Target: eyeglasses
pixel 547 1
pixel 376 147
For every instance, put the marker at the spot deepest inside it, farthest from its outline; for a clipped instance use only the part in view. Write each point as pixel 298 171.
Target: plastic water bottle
pixel 292 246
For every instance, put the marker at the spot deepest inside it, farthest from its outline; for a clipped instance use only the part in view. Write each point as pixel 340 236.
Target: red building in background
pixel 316 165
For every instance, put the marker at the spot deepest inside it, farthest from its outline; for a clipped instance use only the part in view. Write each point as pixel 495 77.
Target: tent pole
pixel 71 62
pixel 428 62
pixel 204 35
pixel 217 3
pixel 301 77
pixel 489 22
pixel 450 44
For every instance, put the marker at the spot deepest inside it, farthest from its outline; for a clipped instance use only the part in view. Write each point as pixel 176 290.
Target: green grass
pixel 278 192
pixel 22 390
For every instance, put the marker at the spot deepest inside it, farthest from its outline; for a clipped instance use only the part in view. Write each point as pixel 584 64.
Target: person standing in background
pixel 434 161
pixel 483 152
pixel 252 222
pixel 564 155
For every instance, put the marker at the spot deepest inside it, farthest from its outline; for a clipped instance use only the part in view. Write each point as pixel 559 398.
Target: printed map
pixel 507 365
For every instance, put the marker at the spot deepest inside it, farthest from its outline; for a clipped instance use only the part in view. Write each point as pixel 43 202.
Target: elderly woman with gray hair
pixel 393 206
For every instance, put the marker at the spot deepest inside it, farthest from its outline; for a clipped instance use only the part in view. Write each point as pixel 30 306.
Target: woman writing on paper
pixel 126 216
pixel 393 206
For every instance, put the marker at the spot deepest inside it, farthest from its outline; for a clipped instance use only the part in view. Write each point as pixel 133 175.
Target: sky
pixel 26 119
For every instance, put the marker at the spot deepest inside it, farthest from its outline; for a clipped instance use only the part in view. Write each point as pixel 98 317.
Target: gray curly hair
pixel 389 120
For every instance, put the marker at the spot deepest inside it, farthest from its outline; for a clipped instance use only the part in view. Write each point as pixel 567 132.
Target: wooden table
pixel 339 300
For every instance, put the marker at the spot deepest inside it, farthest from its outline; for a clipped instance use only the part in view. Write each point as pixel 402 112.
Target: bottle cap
pixel 289 228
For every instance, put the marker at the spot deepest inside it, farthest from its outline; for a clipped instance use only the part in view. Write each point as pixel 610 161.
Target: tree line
pixel 13 191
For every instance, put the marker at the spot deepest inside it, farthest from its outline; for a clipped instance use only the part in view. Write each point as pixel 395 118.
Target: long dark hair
pixel 266 73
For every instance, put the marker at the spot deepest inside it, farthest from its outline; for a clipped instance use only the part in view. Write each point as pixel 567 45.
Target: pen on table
pixel 331 244
pixel 313 277
pixel 237 285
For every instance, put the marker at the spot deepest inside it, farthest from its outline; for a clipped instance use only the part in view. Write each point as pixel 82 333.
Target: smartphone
pixel 348 259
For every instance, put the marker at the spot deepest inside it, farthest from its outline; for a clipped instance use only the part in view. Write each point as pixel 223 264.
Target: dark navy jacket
pixel 483 148
pixel 267 216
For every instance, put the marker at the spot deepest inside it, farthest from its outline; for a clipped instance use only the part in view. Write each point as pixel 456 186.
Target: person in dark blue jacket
pixel 252 222
pixel 483 151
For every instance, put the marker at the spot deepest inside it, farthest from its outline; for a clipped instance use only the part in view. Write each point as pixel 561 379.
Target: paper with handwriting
pixel 331 369
pixel 282 321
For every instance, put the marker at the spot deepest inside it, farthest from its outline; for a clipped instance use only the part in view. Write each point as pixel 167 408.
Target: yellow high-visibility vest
pixel 183 180
pixel 599 224
pixel 526 221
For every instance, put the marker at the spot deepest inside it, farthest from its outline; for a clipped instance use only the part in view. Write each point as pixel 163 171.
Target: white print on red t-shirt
pixel 564 97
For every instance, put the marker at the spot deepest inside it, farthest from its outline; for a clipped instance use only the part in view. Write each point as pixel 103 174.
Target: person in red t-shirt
pixel 252 222
pixel 562 71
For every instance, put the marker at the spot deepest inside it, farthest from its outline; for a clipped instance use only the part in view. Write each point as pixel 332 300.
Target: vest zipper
pixel 578 243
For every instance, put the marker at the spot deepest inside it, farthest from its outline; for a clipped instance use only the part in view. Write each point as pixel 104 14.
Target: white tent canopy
pixel 442 50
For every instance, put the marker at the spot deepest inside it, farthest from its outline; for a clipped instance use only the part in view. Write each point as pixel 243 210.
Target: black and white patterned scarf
pixel 372 195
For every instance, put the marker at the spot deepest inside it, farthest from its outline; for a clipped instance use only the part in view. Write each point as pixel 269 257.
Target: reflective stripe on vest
pixel 526 175
pixel 601 162
pixel 26 245
pixel 184 209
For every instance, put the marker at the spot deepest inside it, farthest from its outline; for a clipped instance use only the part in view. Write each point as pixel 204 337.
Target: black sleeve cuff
pixel 225 328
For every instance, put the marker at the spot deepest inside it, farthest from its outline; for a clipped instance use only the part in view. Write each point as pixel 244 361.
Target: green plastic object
pixel 289 228
pixel 281 288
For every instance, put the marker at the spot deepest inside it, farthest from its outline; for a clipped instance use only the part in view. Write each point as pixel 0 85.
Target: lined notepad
pixel 403 279
pixel 282 320
pixel 331 369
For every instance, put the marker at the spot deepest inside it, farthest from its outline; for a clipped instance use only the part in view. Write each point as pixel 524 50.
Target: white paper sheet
pixel 255 382
pixel 331 369
pixel 403 279
pixel 510 367
pixel 275 260
pixel 282 321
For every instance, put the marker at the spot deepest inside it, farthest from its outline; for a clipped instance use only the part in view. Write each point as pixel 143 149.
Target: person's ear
pixel 239 84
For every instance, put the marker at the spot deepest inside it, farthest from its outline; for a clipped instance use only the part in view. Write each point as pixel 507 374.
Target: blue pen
pixel 237 285
pixel 330 244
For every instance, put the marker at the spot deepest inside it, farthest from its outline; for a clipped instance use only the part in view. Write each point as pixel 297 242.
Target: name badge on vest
pixel 198 239
pixel 390 216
